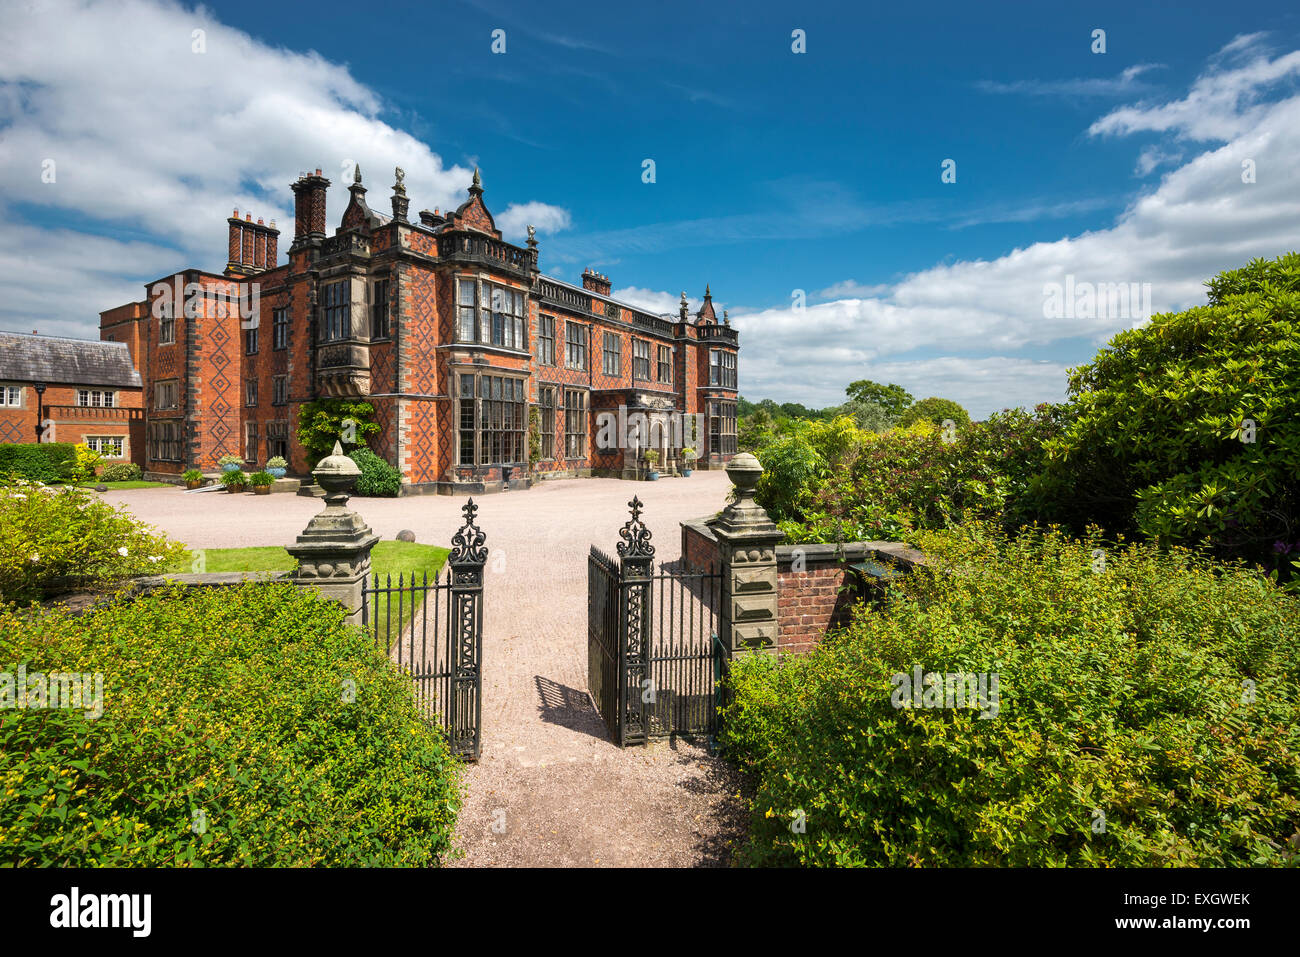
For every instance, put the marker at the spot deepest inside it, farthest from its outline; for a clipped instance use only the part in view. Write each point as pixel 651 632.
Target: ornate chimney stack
pixel 595 282
pixel 309 209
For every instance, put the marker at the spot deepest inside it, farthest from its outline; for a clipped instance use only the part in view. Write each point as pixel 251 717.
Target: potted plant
pixel 192 478
pixel 261 482
pixel 230 463
pixel 688 460
pixel 234 481
pixel 277 466
pixel 652 458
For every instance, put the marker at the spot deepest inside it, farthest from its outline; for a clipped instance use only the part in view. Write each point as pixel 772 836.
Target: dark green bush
pixel 935 411
pixel 378 478
pixel 227 738
pixel 1156 689
pixel 39 461
pixel 120 472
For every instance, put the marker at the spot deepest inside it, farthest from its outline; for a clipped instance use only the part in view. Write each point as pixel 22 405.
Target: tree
pixel 1188 428
pixel 868 415
pixel 892 398
pixel 323 422
pixel 935 410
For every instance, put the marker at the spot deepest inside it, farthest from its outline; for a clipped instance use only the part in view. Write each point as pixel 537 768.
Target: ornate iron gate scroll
pixel 442 651
pixel 651 648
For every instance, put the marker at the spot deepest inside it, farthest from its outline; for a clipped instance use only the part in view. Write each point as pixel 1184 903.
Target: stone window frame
pixel 471 418
pixel 251 442
pixel 164 387
pixel 576 343
pixel 102 399
pixel 547 403
pixel 8 399
pixel 335 311
pixel 380 326
pixel 722 372
pixel 641 367
pixel 280 328
pixel 664 364
pixel 277 432
pixel 487 317
pixel 612 358
pixel 95 444
pixel 546 339
pixel 571 434
pixel 159 446
pixel 722 426
pixel 250 392
pixel 251 341
pixel 280 389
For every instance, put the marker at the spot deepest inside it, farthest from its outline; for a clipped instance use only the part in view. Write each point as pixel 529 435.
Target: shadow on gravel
pixel 569 708
pixel 724 827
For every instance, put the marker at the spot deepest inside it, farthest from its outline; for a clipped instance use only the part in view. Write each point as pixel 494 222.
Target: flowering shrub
pixel 246 726
pixel 120 472
pixel 85 462
pixel 1147 714
pixel 57 538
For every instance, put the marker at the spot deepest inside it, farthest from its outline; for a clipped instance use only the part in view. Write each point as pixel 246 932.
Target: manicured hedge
pixel 245 726
pixel 1158 695
pixel 120 472
pixel 39 462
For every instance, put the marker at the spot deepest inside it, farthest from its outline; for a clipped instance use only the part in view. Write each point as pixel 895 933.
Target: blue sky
pixel 775 171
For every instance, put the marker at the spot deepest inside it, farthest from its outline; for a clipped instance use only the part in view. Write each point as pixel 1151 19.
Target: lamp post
pixel 40 409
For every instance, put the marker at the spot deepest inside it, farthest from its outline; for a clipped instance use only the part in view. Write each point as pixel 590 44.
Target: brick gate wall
pixel 814 597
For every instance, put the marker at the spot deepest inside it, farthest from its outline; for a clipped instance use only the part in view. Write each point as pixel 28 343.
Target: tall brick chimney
pixel 309 209
pixel 252 246
pixel 595 282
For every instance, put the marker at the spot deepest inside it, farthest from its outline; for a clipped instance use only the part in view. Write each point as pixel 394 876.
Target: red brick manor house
pixel 452 334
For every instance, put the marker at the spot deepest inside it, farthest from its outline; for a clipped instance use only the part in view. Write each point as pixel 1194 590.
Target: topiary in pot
pixel 652 459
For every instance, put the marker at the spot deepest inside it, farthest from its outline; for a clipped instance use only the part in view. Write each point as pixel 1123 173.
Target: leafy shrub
pixel 39 462
pixel 226 739
pixel 230 459
pixel 321 424
pixel 935 411
pixel 85 462
pixel 192 475
pixel 378 478
pixel 1162 691
pixel 236 479
pixel 120 472
pixel 260 479
pixel 1160 444
pixel 919 477
pixel 277 462
pixel 56 539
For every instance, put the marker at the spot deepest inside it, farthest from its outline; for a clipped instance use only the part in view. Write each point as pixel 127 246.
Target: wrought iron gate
pixel 434 633
pixel 652 654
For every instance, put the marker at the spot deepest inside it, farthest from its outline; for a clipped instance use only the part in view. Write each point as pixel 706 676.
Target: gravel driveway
pixel 550 789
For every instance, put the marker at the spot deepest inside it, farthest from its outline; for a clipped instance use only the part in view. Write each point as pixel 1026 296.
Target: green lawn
pixel 393 558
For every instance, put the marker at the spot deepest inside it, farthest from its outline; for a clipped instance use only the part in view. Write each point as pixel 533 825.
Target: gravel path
pixel 550 789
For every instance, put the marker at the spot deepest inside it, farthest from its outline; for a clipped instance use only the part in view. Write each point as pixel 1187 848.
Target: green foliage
pixel 227 738
pixel 1162 691
pixel 277 462
pixel 39 461
pixel 192 475
pixel 1160 444
pixel 935 411
pixel 321 423
pixel 59 539
pixel 84 462
pixel 868 415
pixel 120 472
pixel 235 479
pixel 884 486
pixel 231 460
pixel 534 434
pixel 892 399
pixel 259 479
pixel 378 478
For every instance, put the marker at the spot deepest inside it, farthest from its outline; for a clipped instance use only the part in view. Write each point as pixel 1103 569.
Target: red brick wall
pixel 808 603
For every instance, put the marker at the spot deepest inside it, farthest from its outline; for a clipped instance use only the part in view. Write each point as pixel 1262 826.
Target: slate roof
pixel 62 361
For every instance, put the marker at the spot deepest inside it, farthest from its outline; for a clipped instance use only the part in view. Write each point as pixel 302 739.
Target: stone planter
pixel 193 485
pixel 230 467
pixel 652 476
pixel 278 473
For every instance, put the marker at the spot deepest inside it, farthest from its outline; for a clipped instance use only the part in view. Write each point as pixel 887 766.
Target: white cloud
pixel 514 220
pixel 658 303
pixel 1200 220
pixel 1123 85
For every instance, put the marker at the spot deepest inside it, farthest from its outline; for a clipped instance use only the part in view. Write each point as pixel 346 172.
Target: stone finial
pixel 477 185
pixel 725 320
pixel 356 173
pixel 532 236
pixel 400 175
pixel 337 475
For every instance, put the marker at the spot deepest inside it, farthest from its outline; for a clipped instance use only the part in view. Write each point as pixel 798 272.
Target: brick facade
pixel 375 313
